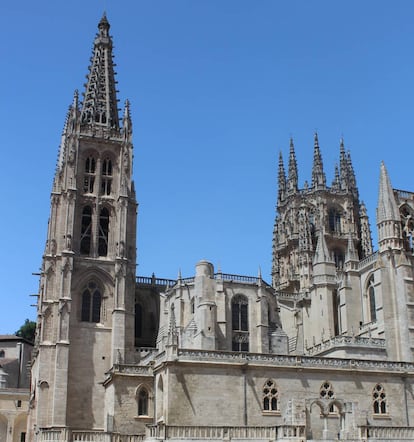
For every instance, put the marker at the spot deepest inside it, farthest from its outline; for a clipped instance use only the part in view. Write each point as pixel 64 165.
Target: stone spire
pixel 343 166
pixel 366 239
pixel 387 209
pixel 388 216
pixel 322 254
pixel 281 179
pixel 100 105
pixel 351 175
pixel 292 181
pixel 336 185
pixel 318 175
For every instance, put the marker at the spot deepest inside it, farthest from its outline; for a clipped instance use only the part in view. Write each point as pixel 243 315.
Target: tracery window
pixel 240 323
pixel 339 259
pixel 327 392
pixel 106 178
pixel 143 402
pixel 334 218
pixel 379 400
pixel 270 396
pixel 89 177
pixel 103 232
pixel 91 303
pixel 86 231
pixel 371 299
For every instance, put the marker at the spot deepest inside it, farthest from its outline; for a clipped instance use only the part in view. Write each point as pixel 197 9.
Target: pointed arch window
pixel 379 399
pixel 372 306
pixel 143 399
pixel 91 303
pixel 89 177
pixel 103 232
pixel 86 231
pixel 106 178
pixel 240 323
pixel 270 396
pixel 334 218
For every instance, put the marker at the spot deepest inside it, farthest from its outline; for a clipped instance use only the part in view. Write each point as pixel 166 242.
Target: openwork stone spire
pixel 318 175
pixel 281 179
pixel 292 182
pixel 100 103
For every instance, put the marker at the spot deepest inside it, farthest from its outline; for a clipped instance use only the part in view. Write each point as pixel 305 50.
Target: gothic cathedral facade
pixel 324 352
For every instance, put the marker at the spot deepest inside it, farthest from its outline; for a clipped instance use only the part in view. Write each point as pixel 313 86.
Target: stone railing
pixel 346 341
pixel 64 435
pixel 256 433
pixel 285 296
pixel 386 433
pixel 404 194
pixel 295 361
pixel 132 369
pixel 368 260
pixel 153 281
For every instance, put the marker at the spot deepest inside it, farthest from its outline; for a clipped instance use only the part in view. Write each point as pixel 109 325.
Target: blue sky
pixel 216 89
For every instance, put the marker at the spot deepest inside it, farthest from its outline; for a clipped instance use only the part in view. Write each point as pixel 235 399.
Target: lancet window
pixel 86 231
pixel 143 402
pixel 106 177
pixel 371 299
pixel 89 177
pixel 91 303
pixel 103 232
pixel 334 219
pixel 240 323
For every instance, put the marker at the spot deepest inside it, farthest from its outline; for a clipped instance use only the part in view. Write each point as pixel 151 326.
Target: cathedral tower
pixel 320 232
pixel 86 296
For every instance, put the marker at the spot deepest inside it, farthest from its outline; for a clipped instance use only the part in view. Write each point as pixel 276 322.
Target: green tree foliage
pixel 27 330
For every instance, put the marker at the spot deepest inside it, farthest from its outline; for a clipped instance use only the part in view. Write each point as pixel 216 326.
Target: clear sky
pixel 217 87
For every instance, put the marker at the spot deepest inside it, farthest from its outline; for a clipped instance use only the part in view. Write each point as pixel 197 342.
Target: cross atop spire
pixel 100 105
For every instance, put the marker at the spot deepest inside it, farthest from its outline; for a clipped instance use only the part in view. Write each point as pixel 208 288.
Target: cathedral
pixel 325 351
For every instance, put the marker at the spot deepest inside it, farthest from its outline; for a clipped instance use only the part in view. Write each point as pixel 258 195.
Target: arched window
pixel 103 232
pixel 89 177
pixel 91 303
pixel 339 259
pixel 86 231
pixel 2 353
pixel 327 392
pixel 371 299
pixel 143 402
pixel 379 400
pixel 270 396
pixel 138 320
pixel 334 219
pixel 240 323
pixel 106 178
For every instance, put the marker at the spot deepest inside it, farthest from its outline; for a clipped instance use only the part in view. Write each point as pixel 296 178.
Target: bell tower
pixel 86 297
